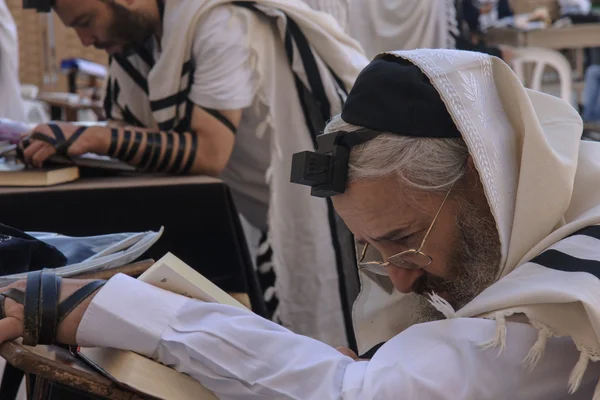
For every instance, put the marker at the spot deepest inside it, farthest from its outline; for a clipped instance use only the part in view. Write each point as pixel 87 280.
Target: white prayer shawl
pixel 542 185
pixel 306 249
pixel 338 9
pixel 11 102
pixel 388 25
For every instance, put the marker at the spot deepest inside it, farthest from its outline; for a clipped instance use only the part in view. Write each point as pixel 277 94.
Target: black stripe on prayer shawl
pixel 169 101
pixel 560 261
pixel 186 123
pixel 131 119
pixel 133 73
pixel 176 100
pixel 108 100
pixel 370 353
pixel 322 102
pixel 303 95
pixel 592 231
pixel 145 55
pixel 128 116
pixel 116 89
pixel 187 67
pixel 311 68
pixel 339 81
pixel 340 84
pixel 317 111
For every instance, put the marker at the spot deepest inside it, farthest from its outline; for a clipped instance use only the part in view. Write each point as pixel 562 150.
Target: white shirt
pixel 224 79
pixel 239 355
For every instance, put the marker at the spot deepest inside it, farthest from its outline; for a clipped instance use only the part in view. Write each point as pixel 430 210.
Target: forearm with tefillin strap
pixel 154 151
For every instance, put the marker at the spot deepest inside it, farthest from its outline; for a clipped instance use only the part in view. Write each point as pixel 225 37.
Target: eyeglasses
pixel 408 259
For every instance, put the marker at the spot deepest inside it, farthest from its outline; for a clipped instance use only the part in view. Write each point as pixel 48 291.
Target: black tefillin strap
pixel 59 142
pixel 370 353
pixel 158 150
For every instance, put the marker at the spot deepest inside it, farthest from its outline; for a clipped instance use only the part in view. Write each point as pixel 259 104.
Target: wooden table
pixel 54 373
pixel 576 37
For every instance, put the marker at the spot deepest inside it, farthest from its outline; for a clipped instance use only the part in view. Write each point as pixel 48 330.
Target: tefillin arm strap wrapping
pixel 158 151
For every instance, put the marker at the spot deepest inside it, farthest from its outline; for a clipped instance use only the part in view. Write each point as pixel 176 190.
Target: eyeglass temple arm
pixel 437 214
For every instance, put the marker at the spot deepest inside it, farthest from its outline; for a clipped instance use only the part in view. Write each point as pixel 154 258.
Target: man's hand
pixel 11 327
pixel 38 151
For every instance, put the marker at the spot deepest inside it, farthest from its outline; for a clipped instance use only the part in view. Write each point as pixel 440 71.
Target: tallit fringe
pixel 442 305
pixel 578 372
pixel 267 123
pixel 597 392
pixel 536 353
pixel 500 339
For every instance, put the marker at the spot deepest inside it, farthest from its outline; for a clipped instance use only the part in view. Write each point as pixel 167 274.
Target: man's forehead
pixel 372 207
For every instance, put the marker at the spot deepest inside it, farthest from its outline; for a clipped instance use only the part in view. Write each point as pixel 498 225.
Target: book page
pixel 168 279
pixel 172 274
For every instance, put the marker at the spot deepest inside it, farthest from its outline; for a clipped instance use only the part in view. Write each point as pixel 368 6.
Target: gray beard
pixel 475 261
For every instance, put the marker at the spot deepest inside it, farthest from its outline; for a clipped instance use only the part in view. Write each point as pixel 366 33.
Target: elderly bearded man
pixel 230 89
pixel 474 204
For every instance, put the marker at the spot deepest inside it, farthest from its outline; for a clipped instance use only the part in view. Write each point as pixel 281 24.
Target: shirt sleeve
pixel 239 355
pixel 223 75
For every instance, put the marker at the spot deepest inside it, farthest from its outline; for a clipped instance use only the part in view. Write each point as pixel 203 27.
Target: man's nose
pixel 403 278
pixel 85 37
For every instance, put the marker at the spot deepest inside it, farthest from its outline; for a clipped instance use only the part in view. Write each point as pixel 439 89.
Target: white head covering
pixel 542 184
pixel 386 25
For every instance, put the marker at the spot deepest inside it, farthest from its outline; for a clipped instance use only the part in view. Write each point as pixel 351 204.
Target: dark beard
pixel 128 28
pixel 474 263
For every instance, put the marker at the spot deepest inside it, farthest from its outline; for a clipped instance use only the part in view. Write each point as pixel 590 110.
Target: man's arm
pixel 203 150
pixel 239 355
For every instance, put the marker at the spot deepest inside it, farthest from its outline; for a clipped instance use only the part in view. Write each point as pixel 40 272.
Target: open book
pixel 147 376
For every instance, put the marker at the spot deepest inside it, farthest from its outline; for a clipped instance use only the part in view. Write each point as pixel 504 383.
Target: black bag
pixel 20 252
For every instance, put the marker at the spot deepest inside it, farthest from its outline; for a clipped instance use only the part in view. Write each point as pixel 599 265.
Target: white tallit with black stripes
pixel 543 187
pixel 307 250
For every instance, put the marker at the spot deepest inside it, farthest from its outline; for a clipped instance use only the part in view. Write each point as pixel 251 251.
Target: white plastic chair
pixel 541 58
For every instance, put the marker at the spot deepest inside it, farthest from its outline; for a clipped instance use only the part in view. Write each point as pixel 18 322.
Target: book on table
pixel 17 175
pixel 142 374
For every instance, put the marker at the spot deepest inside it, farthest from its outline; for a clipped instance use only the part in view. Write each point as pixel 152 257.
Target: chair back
pixel 540 58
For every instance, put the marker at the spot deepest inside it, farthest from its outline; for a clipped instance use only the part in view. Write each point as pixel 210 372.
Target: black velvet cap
pixel 392 95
